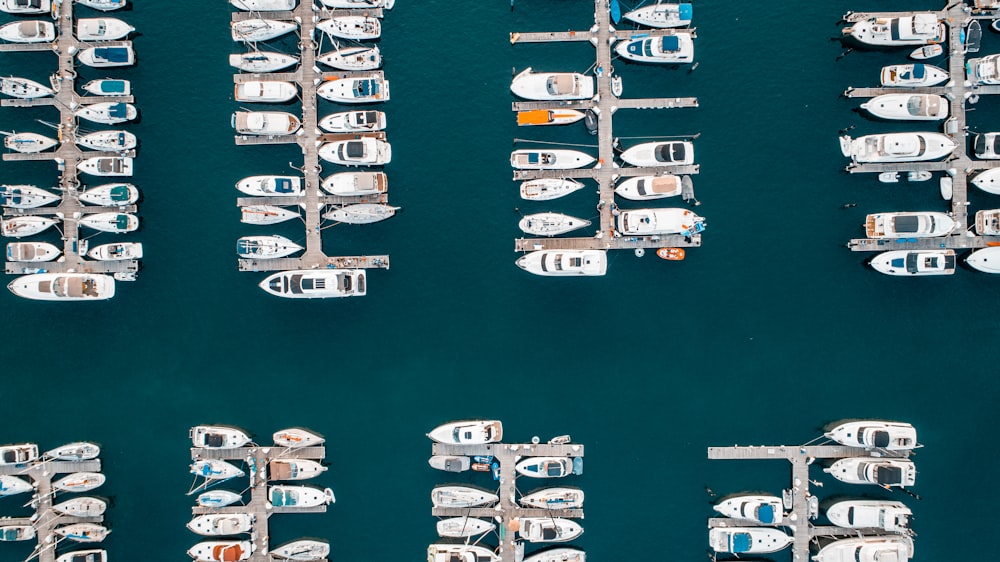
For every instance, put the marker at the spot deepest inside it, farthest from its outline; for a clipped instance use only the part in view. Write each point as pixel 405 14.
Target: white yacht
pixel 472 432
pixel 883 472
pixel 365 151
pixel 221 551
pixel 221 524
pixel 12 485
pixel 110 195
pixel 81 507
pixel 549 159
pixel 353 121
pixel 912 29
pixel 867 549
pixel 356 89
pixel 102 5
pixel 111 87
pixel 873 434
pixel 986 146
pixel 77 451
pixel 908 107
pixel 988 222
pixel 108 141
pixel 460 527
pixel 985 70
pixel 116 251
pixel 460 553
pixel 548 529
pixel 296 437
pixel 12 533
pixel 23 88
pixel 316 283
pixel 266 214
pixel 660 153
pixel 449 463
pixel 554 498
pixel 356 28
pixel 102 29
pixel 298 497
pixel 986 260
pixel 593 263
pixel 677 48
pixel 645 188
pixel 271 186
pixel 897 147
pixel 545 189
pixel 294 469
pixel 765 510
pixel 303 550
pixel 462 497
pixel 885 515
pixel 662 15
pixel 89 555
pixel 550 224
pixel 79 482
pixel 218 498
pixel 928 224
pixel 545 86
pixel 21 227
pixel 25 197
pixel 269 123
pixel 353 184
pixel 32 251
pixel 988 180
pixel 82 532
pixel 259 29
pixel 217 437
pixel 558 555
pixel 648 222
pixel 31 31
pixel 64 287
pixel 353 58
pixel 265 91
pixel 264 5
pixel 748 540
pixel 29 143
pixel 108 113
pixel 120 166
pixel 266 247
pixel 916 75
pixel 261 61
pixel 117 223
pixel 18 454
pixel 213 469
pixel 25 6
pixel 913 263
pixel 549 467
pixel 360 4
pixel 107 57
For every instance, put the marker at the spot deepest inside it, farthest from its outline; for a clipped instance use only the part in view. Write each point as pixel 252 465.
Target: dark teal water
pixel 768 331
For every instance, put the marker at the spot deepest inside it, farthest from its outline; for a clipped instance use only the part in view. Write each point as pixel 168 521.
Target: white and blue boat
pixel 109 87
pixel 677 48
pixel 748 540
pixel 104 57
pixel 662 15
pixel 218 498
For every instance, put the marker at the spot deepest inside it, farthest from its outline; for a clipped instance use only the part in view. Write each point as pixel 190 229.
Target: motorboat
pixel 18 454
pixel 909 225
pixel 25 6
pixel 110 195
pixel 265 214
pixel 645 188
pixel 549 117
pixel 353 184
pixel 32 31
pixel 558 555
pixel 102 29
pixel 359 4
pixel 748 540
pixel 565 262
pixel 913 29
pixel 78 451
pixel 985 70
pixel 927 52
pixel 258 29
pixel 108 87
pixel 25 197
pixel 108 141
pixel 554 498
pixel 356 28
pixel 108 113
pixel 662 15
pixel 23 88
pixel 217 437
pixel 116 251
pixel 365 151
pixel 676 48
pixel 986 260
pixel 270 123
pixel 221 524
pixel 32 252
pixel 296 437
pixel 299 497
pixel 94 287
pixel 915 75
pixel 218 498
pixel 294 469
pixel 89 555
pixel 449 463
pixel 460 527
pixel 471 432
pixel 647 222
pixel 549 159
pixel 117 223
pixel 550 467
pixel 82 532
pixel 271 186
pixel 302 550
pixel 761 509
pixel 221 551
pixel 29 143
pixel 897 147
pixel 867 549
pixel 908 107
pixel 13 533
pixel 106 166
pixel 20 227
pixel 266 247
pixel 102 5
pixel 882 472
pixel 660 153
pixel 12 485
pixel 460 553
pixel 353 58
pixel 548 529
pixel 872 434
pixel 265 91
pixel 550 224
pixel 910 263
pixel 316 283
pixel 213 469
pixel 353 121
pixel 986 146
pixel 988 181
pixel 356 89
pixel 545 189
pixel 106 57
pixel 264 5
pixel 988 222
pixel 462 497
pixel 261 61
pixel 885 515
pixel 81 507
pixel 543 86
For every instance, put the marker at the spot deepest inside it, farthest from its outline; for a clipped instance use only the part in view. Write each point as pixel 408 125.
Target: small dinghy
pixel 19 227
pixel 12 485
pixel 102 5
pixel 116 251
pixel 108 141
pixel 221 524
pixel 266 247
pixel 548 117
pixel 265 214
pixel 108 113
pixel 33 31
pixel 550 224
pixel 29 143
pixel 32 252
pixel 218 498
pixel 748 540
pixel 353 121
pixel 296 438
pixel 111 195
pixel 555 498
pixel 81 507
pixel 79 482
pixel 922 175
pixel 353 58
pixel 217 437
pixel 303 550
pixel 262 61
pixel 888 177
pixel 299 497
pixel 927 52
pixel 365 151
pixel 357 89
pixel 266 91
pixel 460 527
pixel 255 30
pixel 361 213
pixel 221 551
pixel 883 472
pixel 672 254
pixel 545 189
pixel 450 463
pixel 351 27
pixel 107 57
pixel 353 184
pixel 83 532
pixel 25 197
pixel 23 88
pixel 889 516
pixel 294 469
pixel 973 37
pixel 108 87
pixel 662 15
pixel 549 159
pixel 13 533
pixel 549 467
pixel 212 469
pixel 79 451
pixel 92 555
pixel 765 510
pixel 460 553
pixel 462 497
pixel 912 75
pixel 102 29
pixel 548 529
pixel 271 186
pixel 947 187
pixel 107 166
pixel 117 223
pixel 874 434
pixel 645 188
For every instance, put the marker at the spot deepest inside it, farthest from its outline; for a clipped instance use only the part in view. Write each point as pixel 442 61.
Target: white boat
pixel 217 437
pixel 462 497
pixel 106 57
pixel 262 61
pixel 911 263
pixel 296 437
pixel 889 516
pixel 471 432
pixel 356 28
pixel 25 6
pixel 116 251
pixel 271 186
pixel 221 551
pixel 102 29
pixel 988 222
pixel 550 224
pixel 95 287
pixel 549 159
pixel 294 469
pixel 545 86
pixel 646 222
pixel 90 555
pixel 449 463
pixel 662 15
pixel 550 467
pixel 882 472
pixel 103 5
pixel 365 151
pixel 108 141
pixel 265 214
pixel 265 91
pixel 558 555
pixel 986 260
pixel 353 58
pixel 914 29
pixel 218 498
pixel 548 529
pixel 25 197
pixel 459 527
pixel 357 89
pixel 908 107
pixel 265 123
pixel 258 29
pixel 20 227
pixel 988 181
pixel 676 48
pixel 897 147
pixel 660 153
pixel 108 113
pixel 221 524
pixel 12 533
pixel 353 121
pixel 316 283
pixel 82 532
pixel 117 223
pixel 867 549
pixel 554 498
pixel 12 485
pixel 211 469
pixel 353 184
pixel 111 195
pixel 108 87
pixel 32 31
pixel 983 70
pixel 545 189
pixel 81 507
pixel 986 146
pixel 266 247
pixel 460 553
pixel 18 454
pixel 748 540
pixel 565 262
pixel 29 143
pixel 78 451
pixel 765 510
pixel 915 75
pixel 32 251
pixel 872 434
pixel 106 166
pixel 927 52
pixel 264 5
pixel 302 550
pixel 909 225
pixel 359 4
pixel 532 117
pixel 298 497
pixel 645 188
pixel 23 88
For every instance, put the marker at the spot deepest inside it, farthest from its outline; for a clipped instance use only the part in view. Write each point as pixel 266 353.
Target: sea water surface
pixel 765 333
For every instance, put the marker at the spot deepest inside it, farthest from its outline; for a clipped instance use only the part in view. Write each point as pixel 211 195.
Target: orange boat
pixel 549 117
pixel 674 254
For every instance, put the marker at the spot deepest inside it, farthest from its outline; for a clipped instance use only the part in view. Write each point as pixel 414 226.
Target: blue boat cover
pixel 283 185
pixel 670 43
pixel 897 262
pixel 766 513
pixel 533 158
pixel 121 222
pixel 686 12
pixel 919 71
pixel 119 193
pixel 118 110
pixel 616 11
pixel 741 542
pixel 111 54
pixel 113 86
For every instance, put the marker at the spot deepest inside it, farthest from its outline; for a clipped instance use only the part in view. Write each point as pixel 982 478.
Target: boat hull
pixel 544 86
pixel 908 107
pixel 551 224
pixel 546 189
pixel 915 263
pixel 662 15
pixel 986 260
pixel 254 30
pixel 565 263
pixel 302 550
pixel 462 497
pixel 765 510
pixel 353 58
pixel 102 29
pixel 549 159
pixel 654 154
pixel 266 214
pixel 31 252
pixel 747 540
pixel 111 195
pixel 316 284
pixel 20 227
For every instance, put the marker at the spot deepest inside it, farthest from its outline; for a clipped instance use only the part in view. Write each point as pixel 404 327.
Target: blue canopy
pixel 113 86
pixel 670 42
pixel 897 262
pixel 111 54
pixel 741 542
pixel 283 185
pixel 919 71
pixel 766 514
pixel 686 11
pixel 118 110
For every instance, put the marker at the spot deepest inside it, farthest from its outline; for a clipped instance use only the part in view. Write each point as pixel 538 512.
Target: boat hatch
pixel 906 223
pixel 550 534
pixel 881 438
pixel 214 440
pixel 560 84
pixel 354 149
pixel 670 152
pixel 368 117
pixel 888 475
pixel 118 110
